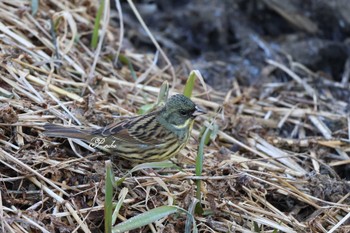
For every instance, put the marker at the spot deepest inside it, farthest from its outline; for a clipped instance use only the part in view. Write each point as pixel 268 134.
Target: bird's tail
pixel 52 130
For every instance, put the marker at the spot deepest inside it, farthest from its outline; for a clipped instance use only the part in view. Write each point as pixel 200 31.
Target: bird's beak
pixel 198 112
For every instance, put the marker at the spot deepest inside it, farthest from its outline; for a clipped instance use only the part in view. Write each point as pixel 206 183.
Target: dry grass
pixel 274 164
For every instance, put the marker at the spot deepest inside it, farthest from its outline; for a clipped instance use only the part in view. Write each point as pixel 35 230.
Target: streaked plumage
pixel 156 136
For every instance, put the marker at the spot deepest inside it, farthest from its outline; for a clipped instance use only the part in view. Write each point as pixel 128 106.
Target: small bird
pixel 156 136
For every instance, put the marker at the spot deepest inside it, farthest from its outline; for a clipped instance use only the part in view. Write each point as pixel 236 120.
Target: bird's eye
pixel 183 112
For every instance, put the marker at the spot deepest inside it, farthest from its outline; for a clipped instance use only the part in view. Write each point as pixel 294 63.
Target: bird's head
pixel 179 111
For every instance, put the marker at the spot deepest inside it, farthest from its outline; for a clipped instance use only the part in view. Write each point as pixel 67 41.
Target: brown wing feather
pixel 136 130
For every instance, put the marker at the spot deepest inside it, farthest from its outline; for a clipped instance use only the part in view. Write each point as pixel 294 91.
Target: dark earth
pixel 232 39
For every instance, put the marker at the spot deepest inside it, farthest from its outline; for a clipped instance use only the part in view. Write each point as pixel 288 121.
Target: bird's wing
pixel 136 130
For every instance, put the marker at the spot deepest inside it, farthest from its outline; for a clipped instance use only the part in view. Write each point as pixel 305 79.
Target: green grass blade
pixel 164 164
pixel 189 220
pixel 145 109
pixel 213 132
pixel 94 39
pixel 190 84
pixel 121 199
pixel 125 61
pixel 35 6
pixel 108 208
pixel 190 215
pixel 145 218
pixel 162 98
pixel 207 138
pixel 199 169
pixel 256 227
pixel 200 156
pixel 163 93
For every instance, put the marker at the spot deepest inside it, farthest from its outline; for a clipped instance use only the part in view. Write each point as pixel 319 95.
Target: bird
pixel 152 137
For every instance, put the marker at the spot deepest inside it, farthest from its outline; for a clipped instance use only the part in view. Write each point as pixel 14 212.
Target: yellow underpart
pixel 184 125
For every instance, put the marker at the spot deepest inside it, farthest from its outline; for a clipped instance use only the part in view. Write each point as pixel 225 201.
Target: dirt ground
pixel 229 40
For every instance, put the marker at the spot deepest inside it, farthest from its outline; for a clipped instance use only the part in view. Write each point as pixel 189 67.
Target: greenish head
pixel 179 111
